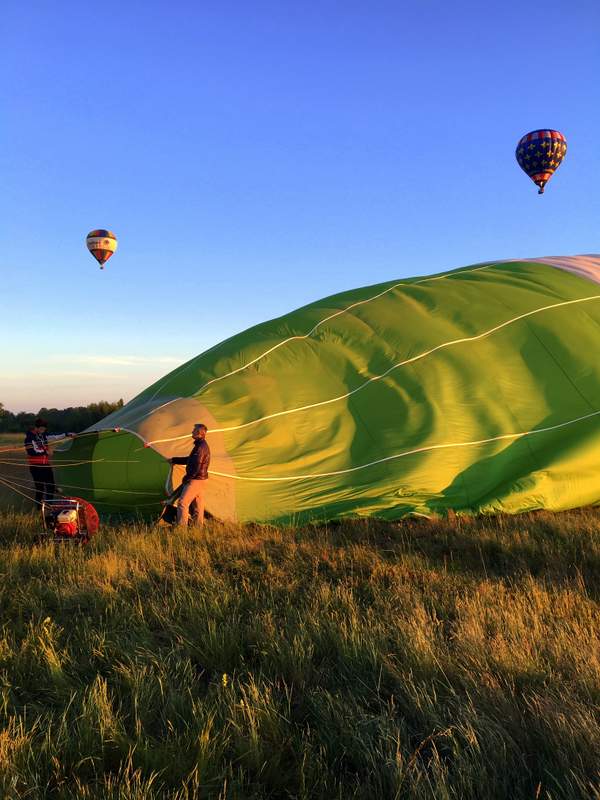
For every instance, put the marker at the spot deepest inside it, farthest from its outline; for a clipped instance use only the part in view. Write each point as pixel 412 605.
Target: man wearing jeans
pixel 196 473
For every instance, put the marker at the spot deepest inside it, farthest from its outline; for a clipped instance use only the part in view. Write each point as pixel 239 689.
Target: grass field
pixel 436 659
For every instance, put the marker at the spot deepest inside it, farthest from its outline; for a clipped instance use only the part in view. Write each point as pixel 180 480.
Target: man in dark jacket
pixel 194 482
pixel 37 446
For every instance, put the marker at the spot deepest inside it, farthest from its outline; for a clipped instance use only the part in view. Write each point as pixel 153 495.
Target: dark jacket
pixel 36 447
pixel 196 464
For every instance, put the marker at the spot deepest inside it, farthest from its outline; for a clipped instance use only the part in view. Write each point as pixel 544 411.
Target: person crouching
pixel 194 482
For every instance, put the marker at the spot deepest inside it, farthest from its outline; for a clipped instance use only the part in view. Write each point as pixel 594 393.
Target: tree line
pixel 60 420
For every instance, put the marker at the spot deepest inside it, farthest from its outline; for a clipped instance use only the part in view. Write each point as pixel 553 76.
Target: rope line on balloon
pixel 442 346
pixel 426 449
pixel 95 488
pixel 16 486
pixel 106 435
pixel 61 465
pixel 109 489
pixel 114 504
pixel 338 313
pixel 452 274
pixel 20 448
pixel 67 439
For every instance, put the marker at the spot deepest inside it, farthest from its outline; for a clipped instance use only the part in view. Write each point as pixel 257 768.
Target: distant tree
pixel 5 419
pixel 68 419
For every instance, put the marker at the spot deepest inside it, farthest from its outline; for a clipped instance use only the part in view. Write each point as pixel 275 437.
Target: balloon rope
pixel 22 447
pixel 15 463
pixel 113 504
pixel 14 489
pixel 93 488
pixel 301 336
pixel 59 442
pixel 60 465
pixel 426 449
pixel 374 378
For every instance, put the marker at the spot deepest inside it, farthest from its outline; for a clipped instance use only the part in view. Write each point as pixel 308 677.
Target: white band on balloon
pixel 101 243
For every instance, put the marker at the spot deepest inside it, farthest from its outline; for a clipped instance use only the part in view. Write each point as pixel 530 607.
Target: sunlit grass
pixel 453 658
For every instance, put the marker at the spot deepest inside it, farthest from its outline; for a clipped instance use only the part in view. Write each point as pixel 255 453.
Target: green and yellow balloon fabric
pixel 476 390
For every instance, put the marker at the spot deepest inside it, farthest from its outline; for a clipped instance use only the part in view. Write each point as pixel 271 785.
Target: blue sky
pixel 253 157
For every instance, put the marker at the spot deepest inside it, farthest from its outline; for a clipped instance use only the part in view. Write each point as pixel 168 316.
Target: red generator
pixel 69 519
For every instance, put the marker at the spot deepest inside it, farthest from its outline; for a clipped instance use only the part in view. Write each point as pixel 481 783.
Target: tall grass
pixel 455 658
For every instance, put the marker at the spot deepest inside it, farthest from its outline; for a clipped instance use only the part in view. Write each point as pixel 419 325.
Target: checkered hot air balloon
pixel 540 154
pixel 101 244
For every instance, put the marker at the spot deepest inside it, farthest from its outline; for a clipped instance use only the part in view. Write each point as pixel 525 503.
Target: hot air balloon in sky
pixel 540 154
pixel 101 244
pixel 474 390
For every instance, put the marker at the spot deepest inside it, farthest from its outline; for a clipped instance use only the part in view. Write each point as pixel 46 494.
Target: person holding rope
pixel 37 446
pixel 194 481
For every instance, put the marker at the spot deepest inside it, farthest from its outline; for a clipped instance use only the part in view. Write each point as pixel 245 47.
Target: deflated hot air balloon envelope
pixel 474 390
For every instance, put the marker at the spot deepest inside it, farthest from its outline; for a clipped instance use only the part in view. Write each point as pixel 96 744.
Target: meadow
pixel 451 658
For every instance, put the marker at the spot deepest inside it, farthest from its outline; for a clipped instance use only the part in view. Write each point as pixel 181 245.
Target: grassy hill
pixel 455 658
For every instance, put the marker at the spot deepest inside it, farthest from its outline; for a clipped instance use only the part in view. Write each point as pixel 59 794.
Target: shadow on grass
pixel 558 547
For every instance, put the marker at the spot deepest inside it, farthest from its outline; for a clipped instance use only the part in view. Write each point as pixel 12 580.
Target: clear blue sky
pixel 252 157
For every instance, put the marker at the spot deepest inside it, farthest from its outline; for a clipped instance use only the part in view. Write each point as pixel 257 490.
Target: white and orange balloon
pixel 101 244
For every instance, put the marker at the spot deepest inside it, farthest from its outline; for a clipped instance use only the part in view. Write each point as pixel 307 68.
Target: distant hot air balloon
pixel 101 244
pixel 540 153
